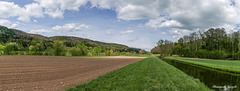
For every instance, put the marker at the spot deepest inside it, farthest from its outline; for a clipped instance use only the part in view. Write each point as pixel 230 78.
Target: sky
pixel 135 23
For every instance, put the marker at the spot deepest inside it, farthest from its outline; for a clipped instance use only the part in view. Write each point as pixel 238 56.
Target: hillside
pixel 26 39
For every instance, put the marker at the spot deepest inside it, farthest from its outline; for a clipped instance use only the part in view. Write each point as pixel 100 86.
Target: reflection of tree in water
pixel 207 76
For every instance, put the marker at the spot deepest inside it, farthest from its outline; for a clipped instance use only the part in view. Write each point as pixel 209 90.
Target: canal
pixel 217 80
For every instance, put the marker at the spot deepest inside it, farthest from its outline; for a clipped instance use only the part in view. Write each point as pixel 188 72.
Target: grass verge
pixel 148 74
pixel 221 65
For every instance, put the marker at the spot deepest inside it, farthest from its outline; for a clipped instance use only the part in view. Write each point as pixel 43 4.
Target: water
pixel 217 80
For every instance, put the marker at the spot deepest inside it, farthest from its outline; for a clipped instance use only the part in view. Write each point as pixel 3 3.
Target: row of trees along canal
pixel 214 43
pixel 59 49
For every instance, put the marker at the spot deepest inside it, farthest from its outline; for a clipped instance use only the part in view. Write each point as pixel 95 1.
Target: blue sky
pixel 135 23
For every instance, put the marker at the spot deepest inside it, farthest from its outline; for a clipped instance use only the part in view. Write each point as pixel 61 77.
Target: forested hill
pixel 25 39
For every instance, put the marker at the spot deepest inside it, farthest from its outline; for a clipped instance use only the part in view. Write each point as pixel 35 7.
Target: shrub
pixel 11 48
pixel 59 48
pixel 75 51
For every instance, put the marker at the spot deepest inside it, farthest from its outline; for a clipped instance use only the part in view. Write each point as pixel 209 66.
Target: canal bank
pixel 214 79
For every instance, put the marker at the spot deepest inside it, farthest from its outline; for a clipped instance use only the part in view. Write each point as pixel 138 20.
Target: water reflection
pixel 216 80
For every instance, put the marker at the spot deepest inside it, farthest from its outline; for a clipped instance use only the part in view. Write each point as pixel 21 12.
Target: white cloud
pixel 8 24
pixel 31 10
pixel 135 12
pixel 86 36
pixel 54 13
pixel 9 9
pixel 109 32
pixel 182 14
pixel 163 22
pixel 154 23
pixel 127 32
pixel 131 9
pixel 171 23
pixel 186 14
pixel 228 28
pixel 35 21
pixel 177 33
pixel 6 7
pixel 163 33
pixel 40 31
pixel 203 13
pixel 56 8
pixel 105 4
pixel 62 30
pixel 71 27
pixel 238 27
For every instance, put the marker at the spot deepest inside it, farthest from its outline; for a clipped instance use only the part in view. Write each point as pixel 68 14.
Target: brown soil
pixel 28 73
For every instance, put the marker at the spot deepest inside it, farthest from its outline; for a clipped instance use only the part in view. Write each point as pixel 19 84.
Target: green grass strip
pixel 231 66
pixel 148 74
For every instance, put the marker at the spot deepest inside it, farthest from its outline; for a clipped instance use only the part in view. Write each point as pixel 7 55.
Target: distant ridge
pixel 14 35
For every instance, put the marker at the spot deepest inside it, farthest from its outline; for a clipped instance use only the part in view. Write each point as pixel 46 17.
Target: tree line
pixel 213 43
pixel 58 48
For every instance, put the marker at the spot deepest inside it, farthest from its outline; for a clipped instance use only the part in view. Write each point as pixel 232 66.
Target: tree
pixel 49 51
pixel 31 49
pixel 10 47
pixel 111 52
pixel 37 49
pixel 213 43
pixel 142 52
pixel 97 51
pixel 178 49
pixel 165 48
pixel 160 42
pixel 107 53
pixel 75 51
pixel 59 48
pixel 90 51
pixel 2 49
pixel 83 49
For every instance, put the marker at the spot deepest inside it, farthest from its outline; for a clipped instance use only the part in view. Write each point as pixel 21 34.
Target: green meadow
pixel 148 74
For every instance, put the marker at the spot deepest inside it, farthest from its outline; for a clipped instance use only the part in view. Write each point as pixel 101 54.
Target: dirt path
pixel 41 73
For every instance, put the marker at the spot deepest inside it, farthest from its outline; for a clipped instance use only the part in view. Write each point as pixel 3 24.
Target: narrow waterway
pixel 217 80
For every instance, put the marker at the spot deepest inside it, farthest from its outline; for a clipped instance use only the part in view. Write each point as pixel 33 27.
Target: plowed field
pixel 45 73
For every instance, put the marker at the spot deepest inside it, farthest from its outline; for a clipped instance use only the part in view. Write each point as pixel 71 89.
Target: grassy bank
pixel 148 74
pixel 232 66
